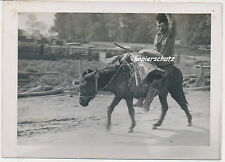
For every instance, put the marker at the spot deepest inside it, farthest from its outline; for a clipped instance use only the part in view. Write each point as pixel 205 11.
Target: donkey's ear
pixel 84 73
pixel 96 73
pixel 90 70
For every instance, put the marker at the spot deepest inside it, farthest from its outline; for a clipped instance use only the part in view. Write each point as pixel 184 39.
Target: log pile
pixel 200 80
pixel 27 77
pixel 31 93
pixel 48 90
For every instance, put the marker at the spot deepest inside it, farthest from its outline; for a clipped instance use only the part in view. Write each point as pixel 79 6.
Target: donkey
pixel 120 81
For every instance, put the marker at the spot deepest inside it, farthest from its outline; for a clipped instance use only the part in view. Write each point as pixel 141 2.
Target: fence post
pixel 178 57
pixel 80 68
pixel 201 77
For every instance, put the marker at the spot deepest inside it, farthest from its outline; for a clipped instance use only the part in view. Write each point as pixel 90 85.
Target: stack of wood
pixel 189 80
pixel 200 80
pixel 41 91
pixel 26 77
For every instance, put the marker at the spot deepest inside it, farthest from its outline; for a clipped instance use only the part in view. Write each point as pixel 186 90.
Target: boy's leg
pixel 149 98
pixel 139 103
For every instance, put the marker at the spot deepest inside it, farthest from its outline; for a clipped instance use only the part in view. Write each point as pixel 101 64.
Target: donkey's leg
pixel 110 109
pixel 163 101
pixel 189 117
pixel 179 97
pixel 129 102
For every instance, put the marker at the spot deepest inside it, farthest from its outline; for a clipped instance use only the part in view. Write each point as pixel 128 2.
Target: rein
pixel 112 77
pixel 117 72
pixel 97 76
pixel 96 86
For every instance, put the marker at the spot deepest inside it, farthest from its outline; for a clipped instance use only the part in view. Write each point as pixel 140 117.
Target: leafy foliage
pixel 129 27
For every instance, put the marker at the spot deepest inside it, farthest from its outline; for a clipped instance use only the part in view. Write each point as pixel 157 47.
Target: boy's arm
pixel 150 53
pixel 171 24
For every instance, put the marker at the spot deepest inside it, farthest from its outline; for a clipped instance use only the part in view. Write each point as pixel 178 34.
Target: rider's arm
pixel 150 53
pixel 171 25
pixel 157 45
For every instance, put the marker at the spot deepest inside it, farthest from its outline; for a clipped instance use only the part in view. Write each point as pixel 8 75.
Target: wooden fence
pixel 60 52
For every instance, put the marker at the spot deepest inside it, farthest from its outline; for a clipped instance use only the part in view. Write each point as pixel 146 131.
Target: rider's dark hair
pixel 161 18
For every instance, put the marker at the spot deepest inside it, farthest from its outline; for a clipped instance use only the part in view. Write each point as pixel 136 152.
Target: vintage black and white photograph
pixel 118 81
pixel 76 79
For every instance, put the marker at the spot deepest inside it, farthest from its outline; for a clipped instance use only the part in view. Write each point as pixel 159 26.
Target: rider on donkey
pixel 163 46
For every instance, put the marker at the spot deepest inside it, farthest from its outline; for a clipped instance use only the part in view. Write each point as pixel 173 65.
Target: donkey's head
pixel 88 87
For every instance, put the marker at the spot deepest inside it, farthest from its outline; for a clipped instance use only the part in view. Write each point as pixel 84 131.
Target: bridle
pixel 96 75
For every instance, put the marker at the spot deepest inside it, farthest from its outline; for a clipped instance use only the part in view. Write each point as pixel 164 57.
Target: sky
pixel 46 18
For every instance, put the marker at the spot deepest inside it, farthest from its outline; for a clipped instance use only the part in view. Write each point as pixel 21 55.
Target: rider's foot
pixel 139 103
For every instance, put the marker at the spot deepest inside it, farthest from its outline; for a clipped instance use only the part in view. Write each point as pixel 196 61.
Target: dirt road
pixel 60 120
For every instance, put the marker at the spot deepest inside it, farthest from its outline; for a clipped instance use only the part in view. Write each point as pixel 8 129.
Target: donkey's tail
pixel 183 96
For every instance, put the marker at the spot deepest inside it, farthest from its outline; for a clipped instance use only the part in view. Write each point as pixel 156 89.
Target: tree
pixel 35 27
pixel 194 29
pixel 129 27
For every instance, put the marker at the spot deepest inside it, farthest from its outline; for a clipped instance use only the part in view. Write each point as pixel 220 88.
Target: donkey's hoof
pixel 154 126
pixel 189 124
pixel 130 131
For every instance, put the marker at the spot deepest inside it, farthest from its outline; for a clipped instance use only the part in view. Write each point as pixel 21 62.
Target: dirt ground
pixel 60 120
